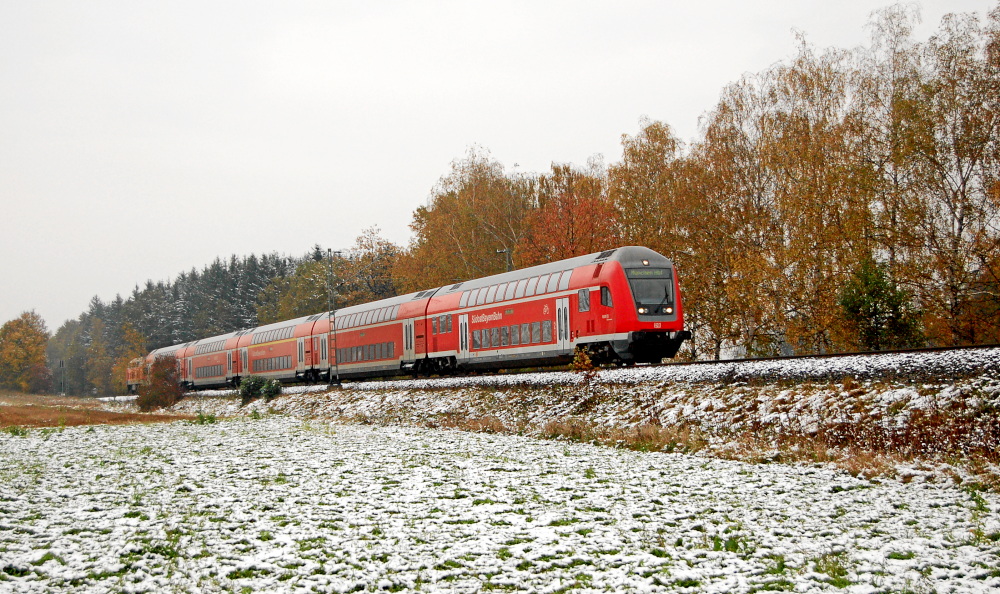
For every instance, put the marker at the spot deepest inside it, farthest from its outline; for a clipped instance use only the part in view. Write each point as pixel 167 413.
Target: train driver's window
pixel 606 297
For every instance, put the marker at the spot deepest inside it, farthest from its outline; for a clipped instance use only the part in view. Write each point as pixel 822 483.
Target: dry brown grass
pixel 27 410
pixel 643 438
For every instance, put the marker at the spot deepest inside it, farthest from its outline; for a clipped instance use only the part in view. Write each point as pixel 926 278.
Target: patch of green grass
pixel 203 419
pixel 779 565
pixel 901 556
pixel 834 566
pixel 48 556
pixel 564 522
pixel 15 431
pixel 246 573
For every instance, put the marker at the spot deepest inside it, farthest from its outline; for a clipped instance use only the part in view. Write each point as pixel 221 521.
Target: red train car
pixel 621 306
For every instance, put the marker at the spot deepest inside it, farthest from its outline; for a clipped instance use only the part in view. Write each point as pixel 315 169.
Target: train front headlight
pixel 644 310
pixel 668 310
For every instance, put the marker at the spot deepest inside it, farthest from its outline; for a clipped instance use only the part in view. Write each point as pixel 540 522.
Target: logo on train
pixel 486 318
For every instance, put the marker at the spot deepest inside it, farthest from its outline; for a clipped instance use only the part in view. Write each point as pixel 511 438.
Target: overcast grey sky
pixel 139 139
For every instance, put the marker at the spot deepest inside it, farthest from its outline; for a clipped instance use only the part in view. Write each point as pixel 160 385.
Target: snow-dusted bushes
pixel 254 386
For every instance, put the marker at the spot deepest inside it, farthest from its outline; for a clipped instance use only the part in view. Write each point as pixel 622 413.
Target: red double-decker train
pixel 621 306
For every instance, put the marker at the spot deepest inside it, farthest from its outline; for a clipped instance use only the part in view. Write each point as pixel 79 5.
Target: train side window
pixel 448 322
pixel 564 282
pixel 473 295
pixel 434 325
pixel 504 336
pixel 380 314
pixel 515 335
pixel 521 286
pixel 554 282
pixel 606 297
pixel 536 332
pixel 525 333
pixel 496 337
pixel 464 299
pixel 583 300
pixel 532 283
pixel 491 294
pixel 482 296
pixel 477 339
pixel 543 282
pixel 511 286
pixel 395 312
pixel 501 291
pixel 392 350
pixel 547 331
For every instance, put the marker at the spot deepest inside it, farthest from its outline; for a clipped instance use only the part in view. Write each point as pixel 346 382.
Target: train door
pixel 562 323
pixel 409 353
pixel 303 356
pixel 463 337
pixel 315 352
pixel 232 364
pixel 246 361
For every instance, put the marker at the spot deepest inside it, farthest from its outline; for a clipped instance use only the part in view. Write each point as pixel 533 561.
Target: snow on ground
pixel 276 503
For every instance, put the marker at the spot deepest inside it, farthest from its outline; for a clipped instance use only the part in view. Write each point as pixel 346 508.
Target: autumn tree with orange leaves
pixel 22 354
pixel 572 217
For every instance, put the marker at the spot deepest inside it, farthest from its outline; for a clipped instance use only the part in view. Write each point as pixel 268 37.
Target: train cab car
pixel 632 310
pixel 621 305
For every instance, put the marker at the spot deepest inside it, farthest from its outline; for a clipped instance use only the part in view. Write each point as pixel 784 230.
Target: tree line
pixel 841 200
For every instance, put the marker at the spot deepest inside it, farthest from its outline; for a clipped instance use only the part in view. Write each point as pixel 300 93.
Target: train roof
pixel 627 256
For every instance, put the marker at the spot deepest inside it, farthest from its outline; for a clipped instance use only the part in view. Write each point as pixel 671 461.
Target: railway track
pixel 902 363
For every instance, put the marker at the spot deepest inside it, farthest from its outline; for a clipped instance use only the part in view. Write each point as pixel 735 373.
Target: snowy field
pixel 280 504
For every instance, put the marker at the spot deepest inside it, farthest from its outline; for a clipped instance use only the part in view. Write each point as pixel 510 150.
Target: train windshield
pixel 652 286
